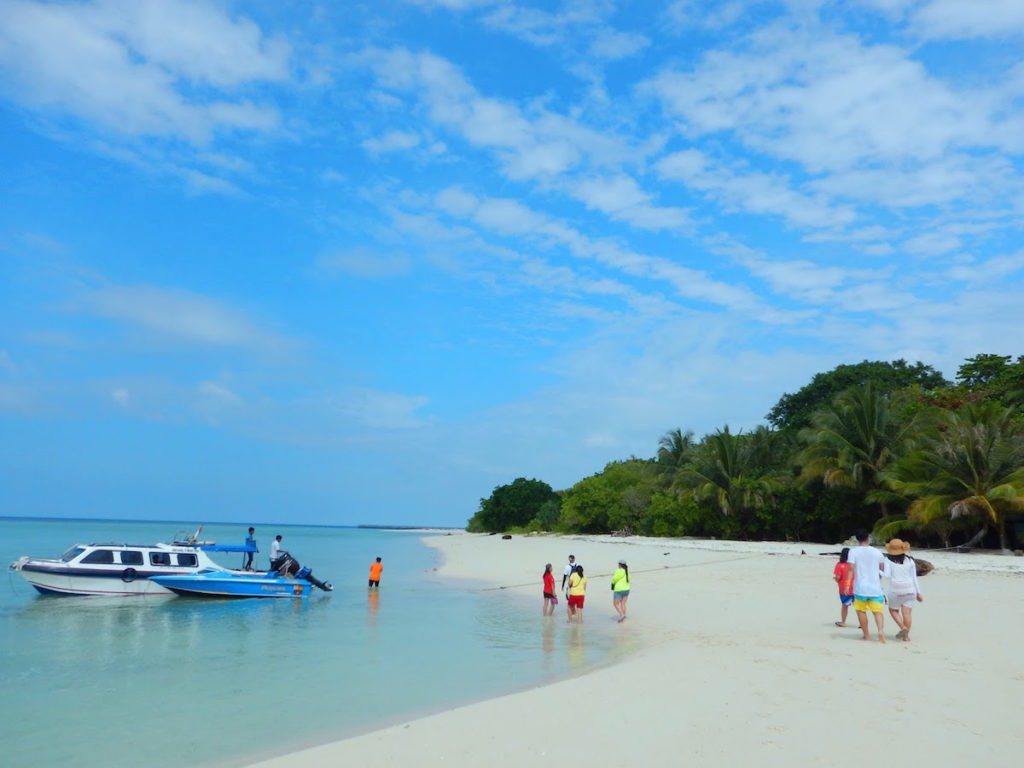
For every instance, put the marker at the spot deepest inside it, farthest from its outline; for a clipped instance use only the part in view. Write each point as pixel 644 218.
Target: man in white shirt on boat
pixel 275 548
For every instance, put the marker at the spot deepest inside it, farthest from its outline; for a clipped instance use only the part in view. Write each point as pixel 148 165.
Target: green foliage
pixel 726 472
pixel 852 440
pixel 982 370
pixel 674 450
pixel 794 411
pixel 548 515
pixel 614 499
pixel 889 446
pixel 993 377
pixel 509 506
pixel 970 465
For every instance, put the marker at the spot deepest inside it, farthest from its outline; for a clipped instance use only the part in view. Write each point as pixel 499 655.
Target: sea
pixel 172 681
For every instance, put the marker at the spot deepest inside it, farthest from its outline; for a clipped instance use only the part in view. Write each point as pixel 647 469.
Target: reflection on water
pixel 188 680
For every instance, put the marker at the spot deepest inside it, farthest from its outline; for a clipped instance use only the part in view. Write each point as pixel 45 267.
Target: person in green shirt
pixel 620 589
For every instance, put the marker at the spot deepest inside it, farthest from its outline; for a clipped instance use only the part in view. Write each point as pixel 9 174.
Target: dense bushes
pixel 889 446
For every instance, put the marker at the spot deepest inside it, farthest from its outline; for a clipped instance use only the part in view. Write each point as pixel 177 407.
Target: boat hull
pixel 234 586
pixel 67 583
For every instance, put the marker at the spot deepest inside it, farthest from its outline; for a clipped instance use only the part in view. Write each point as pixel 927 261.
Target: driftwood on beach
pixel 923 566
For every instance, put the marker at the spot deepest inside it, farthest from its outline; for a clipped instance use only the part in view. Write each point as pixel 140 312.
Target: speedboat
pixel 287 578
pixel 114 569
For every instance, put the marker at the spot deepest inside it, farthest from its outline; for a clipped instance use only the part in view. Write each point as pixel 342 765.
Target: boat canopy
pixel 228 548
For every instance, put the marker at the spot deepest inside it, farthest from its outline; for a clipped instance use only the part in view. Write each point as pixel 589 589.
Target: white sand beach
pixel 730 656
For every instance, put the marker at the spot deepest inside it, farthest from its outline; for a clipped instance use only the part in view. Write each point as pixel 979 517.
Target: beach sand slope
pixel 734 660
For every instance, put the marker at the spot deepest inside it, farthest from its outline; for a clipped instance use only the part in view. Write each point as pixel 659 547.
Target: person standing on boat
pixel 250 542
pixel 275 548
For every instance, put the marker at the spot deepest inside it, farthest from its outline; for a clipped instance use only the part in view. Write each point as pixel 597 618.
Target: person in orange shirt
pixel 376 568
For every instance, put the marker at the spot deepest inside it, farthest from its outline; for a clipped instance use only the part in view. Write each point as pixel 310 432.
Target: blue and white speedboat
pixel 122 570
pixel 215 583
pixel 288 579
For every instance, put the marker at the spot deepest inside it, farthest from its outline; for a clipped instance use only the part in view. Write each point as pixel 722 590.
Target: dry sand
pixel 736 661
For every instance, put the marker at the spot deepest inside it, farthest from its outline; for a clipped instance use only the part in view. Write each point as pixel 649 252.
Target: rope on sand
pixel 640 570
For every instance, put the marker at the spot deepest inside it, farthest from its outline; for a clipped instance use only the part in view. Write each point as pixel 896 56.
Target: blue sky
pixel 362 262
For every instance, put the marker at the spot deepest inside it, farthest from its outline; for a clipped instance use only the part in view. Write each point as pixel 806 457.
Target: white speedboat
pixel 121 569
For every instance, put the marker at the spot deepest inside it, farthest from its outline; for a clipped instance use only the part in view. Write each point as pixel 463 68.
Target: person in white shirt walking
pixel 869 565
pixel 903 588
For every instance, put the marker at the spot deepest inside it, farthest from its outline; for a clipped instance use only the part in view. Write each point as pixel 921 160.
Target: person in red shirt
pixel 376 568
pixel 550 600
pixel 843 576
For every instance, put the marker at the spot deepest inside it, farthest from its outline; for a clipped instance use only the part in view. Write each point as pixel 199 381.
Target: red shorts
pixel 576 601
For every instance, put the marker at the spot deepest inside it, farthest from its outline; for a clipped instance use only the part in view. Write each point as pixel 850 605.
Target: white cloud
pixel 613 45
pixel 621 198
pixel 931 243
pixel 534 144
pixel 125 66
pixel 510 217
pixel 392 141
pixel 215 401
pixel 992 270
pixel 683 14
pixel 362 262
pixel 754 191
pixel 382 410
pixel 121 396
pixel 179 315
pixel 961 20
pixel 827 101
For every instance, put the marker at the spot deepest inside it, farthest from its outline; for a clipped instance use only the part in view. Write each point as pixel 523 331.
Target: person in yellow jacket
pixel 620 589
pixel 577 593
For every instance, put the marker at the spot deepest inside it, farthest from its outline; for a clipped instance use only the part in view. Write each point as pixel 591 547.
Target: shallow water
pixel 166 681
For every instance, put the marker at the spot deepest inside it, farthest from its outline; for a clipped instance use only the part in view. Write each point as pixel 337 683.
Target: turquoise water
pixel 167 681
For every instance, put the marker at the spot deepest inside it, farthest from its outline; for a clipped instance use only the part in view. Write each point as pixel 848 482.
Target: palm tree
pixel 722 473
pixel 853 440
pixel 971 466
pixel 674 449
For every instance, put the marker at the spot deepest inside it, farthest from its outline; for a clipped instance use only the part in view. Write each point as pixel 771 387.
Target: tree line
pixel 888 446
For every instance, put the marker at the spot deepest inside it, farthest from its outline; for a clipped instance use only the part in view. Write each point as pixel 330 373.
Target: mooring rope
pixel 639 570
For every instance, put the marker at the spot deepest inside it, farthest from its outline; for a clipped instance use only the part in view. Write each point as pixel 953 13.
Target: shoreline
pixel 732 651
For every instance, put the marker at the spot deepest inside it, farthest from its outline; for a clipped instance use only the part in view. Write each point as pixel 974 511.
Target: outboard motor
pixel 288 566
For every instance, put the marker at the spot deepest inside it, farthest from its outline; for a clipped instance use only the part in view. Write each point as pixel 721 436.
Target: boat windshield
pixel 72 553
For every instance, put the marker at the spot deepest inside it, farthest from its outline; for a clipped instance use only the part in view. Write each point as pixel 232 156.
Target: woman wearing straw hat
pixel 620 589
pixel 903 588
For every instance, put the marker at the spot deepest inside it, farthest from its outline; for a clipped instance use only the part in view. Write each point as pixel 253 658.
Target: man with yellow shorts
pixel 869 565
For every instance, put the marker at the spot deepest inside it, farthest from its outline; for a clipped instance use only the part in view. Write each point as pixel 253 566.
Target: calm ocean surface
pixel 175 681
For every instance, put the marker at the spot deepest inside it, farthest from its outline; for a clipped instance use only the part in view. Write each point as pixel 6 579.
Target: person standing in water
pixel 903 588
pixel 577 594
pixel 376 569
pixel 620 589
pixel 842 575
pixel 868 568
pixel 567 572
pixel 549 591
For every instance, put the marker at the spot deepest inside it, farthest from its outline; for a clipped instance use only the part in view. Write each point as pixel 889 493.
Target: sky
pixel 362 262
